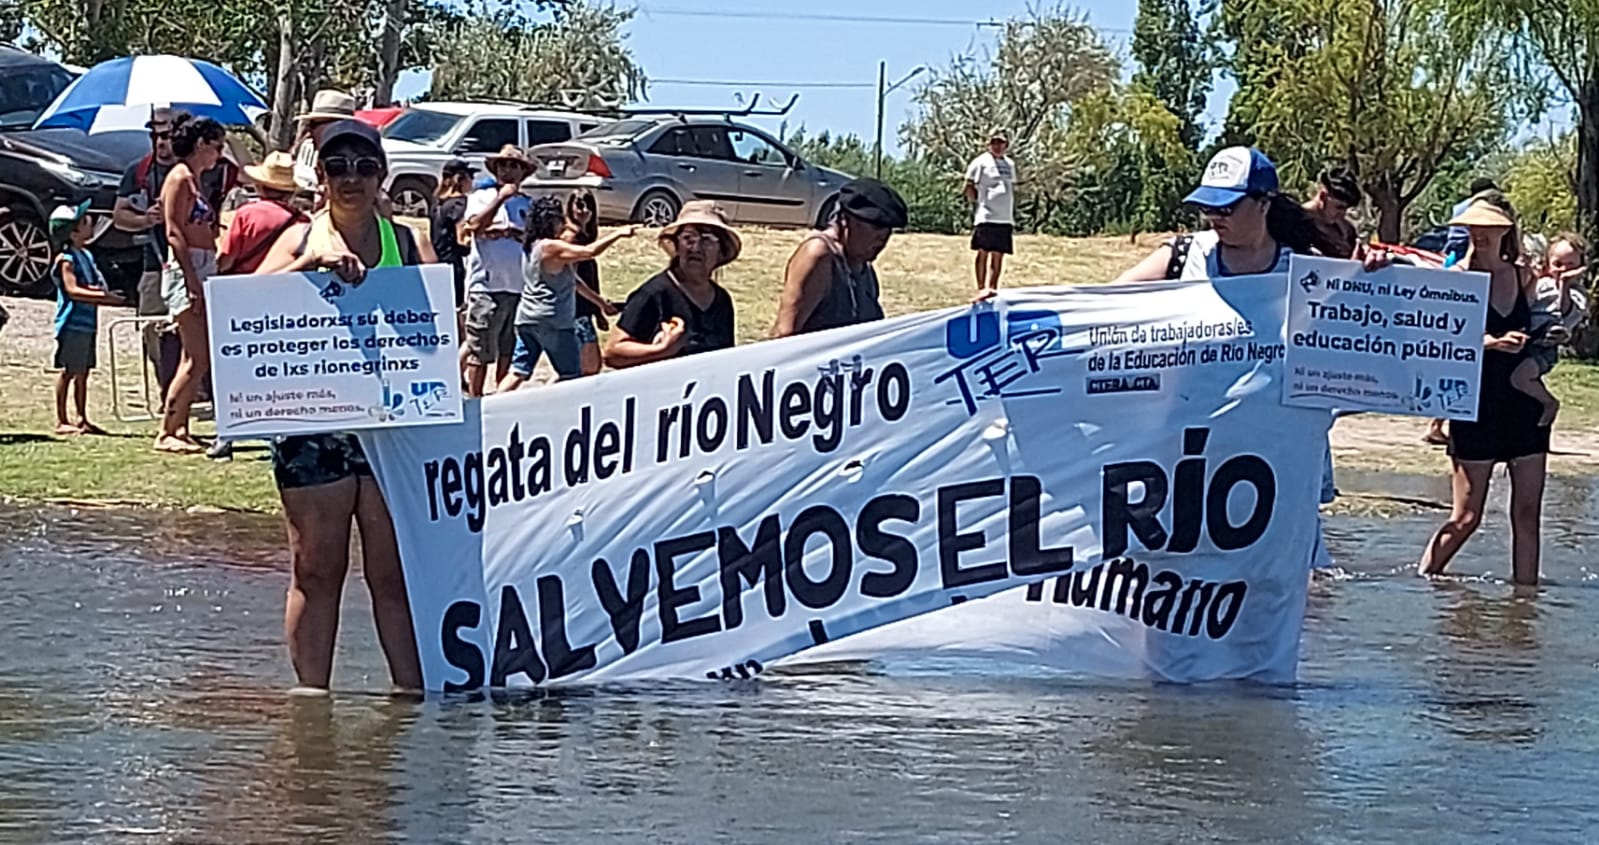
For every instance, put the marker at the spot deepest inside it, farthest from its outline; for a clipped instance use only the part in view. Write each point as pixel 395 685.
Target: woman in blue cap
pixel 1253 229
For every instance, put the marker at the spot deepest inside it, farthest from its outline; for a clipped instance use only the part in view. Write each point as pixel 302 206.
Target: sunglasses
pixel 338 167
pixel 1220 210
pixel 161 136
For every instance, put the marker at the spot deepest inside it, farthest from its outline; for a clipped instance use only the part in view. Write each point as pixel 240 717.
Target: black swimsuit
pixel 1507 419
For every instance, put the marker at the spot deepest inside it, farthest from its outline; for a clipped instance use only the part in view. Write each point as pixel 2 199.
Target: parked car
pixel 427 135
pixel 642 170
pixel 1433 240
pixel 41 169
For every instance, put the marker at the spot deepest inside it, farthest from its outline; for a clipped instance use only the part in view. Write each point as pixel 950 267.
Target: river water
pixel 142 699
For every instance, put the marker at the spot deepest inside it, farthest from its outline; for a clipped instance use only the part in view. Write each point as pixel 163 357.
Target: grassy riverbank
pixel 918 272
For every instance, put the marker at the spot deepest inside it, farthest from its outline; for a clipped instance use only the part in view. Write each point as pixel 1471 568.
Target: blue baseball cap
pixel 1235 173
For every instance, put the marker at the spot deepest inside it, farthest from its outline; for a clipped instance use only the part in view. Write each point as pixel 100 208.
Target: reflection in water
pixel 1487 666
pixel 142 698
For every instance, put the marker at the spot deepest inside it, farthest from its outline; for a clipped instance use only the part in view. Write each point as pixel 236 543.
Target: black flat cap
pixel 871 201
pixel 348 129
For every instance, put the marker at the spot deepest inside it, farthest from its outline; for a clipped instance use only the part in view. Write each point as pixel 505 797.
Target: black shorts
pixel 75 352
pixel 311 461
pixel 993 237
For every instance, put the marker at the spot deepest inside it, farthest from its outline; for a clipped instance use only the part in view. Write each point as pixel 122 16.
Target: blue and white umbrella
pixel 121 93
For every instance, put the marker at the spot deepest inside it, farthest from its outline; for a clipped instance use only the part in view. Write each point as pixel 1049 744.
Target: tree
pixel 1540 181
pixel 1174 61
pixel 576 60
pixel 932 194
pixel 1135 166
pixel 286 48
pixel 1043 65
pixel 1392 89
pixel 1563 35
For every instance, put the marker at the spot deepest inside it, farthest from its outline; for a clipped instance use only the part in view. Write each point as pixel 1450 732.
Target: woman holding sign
pixel 324 480
pixel 1253 230
pixel 1509 428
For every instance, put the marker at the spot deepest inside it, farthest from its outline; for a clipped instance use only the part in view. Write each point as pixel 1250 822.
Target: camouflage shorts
pixel 309 461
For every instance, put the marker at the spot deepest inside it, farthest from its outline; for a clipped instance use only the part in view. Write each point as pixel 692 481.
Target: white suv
pixel 427 135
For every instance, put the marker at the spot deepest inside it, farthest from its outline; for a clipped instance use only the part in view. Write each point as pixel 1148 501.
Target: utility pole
pixel 883 90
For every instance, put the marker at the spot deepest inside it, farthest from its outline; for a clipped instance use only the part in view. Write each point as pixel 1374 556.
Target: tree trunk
pixel 1585 343
pixel 1587 186
pixel 389 53
pixel 1390 212
pixel 286 93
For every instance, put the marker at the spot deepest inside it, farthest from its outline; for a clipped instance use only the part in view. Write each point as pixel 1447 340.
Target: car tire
pixel 412 196
pixel 25 255
pixel 829 207
pixel 656 209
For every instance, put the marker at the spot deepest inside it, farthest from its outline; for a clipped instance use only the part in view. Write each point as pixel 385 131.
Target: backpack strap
pixel 1179 256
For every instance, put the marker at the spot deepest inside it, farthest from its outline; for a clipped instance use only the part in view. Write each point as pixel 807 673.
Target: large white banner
pixel 299 353
pixel 708 516
pixel 1401 340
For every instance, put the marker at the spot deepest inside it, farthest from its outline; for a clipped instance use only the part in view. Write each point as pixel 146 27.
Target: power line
pixel 665 11
pixel 729 83
pixel 775 16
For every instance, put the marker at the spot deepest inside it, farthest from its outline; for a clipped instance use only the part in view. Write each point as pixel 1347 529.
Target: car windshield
pixel 421 126
pixel 619 129
pixel 26 90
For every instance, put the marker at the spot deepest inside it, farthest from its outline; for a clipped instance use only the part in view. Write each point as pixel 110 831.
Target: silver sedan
pixel 643 170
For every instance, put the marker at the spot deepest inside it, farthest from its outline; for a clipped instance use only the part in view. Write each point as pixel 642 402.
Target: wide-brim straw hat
pixel 702 213
pixel 511 153
pixel 276 171
pixel 1484 215
pixel 330 105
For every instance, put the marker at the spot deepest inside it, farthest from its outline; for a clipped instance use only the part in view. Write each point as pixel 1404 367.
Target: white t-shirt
pixel 495 265
pixel 995 180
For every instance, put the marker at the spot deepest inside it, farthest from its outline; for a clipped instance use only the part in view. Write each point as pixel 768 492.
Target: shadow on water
pixel 142 697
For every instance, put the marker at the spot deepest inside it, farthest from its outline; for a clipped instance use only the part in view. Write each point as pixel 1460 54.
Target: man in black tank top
pixel 830 281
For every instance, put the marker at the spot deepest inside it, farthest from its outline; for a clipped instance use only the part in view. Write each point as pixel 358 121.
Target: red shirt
pixel 255 226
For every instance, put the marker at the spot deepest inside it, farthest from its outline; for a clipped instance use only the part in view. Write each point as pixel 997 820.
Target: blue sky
pixel 782 41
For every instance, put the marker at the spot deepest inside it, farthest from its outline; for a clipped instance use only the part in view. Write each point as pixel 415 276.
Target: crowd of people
pixel 528 284
pixel 527 279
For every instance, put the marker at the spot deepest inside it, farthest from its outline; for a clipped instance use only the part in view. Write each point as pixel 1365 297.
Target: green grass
pixel 1576 383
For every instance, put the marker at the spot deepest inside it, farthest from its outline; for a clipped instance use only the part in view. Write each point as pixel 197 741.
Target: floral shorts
pixel 313 460
pixel 585 330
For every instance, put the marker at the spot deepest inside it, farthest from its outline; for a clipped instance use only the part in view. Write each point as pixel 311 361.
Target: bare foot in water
pixel 178 446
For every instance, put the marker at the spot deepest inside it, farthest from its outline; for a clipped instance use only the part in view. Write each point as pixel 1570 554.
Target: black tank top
pixel 852 297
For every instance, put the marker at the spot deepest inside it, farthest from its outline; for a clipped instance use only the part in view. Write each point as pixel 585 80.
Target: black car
pixel 41 169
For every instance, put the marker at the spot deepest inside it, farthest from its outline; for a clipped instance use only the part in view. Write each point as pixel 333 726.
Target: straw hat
pixel 702 213
pixel 330 105
pixel 1483 214
pixel 511 153
pixel 276 171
